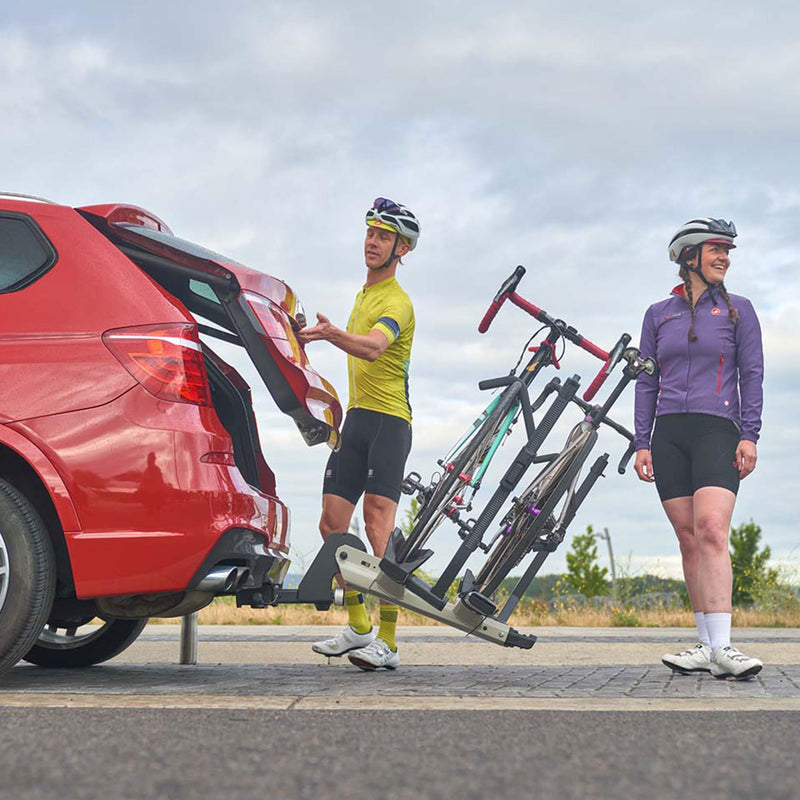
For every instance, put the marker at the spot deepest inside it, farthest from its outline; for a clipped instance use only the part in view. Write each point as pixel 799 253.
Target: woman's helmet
pixel 394 217
pixel 697 231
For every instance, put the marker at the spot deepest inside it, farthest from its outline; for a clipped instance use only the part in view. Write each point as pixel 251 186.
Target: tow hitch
pixel 316 585
pixel 345 553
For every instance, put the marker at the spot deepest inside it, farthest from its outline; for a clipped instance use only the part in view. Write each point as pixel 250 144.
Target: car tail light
pixel 225 459
pixel 276 324
pixel 166 359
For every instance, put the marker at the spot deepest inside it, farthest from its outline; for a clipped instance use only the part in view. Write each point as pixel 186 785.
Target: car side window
pixel 203 290
pixel 25 252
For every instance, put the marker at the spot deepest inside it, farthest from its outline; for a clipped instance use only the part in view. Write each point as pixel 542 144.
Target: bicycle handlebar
pixel 508 287
pixel 614 357
pixel 507 292
pixel 567 331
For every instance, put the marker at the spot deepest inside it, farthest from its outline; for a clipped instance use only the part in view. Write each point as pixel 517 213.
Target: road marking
pixel 394 703
pixel 64 700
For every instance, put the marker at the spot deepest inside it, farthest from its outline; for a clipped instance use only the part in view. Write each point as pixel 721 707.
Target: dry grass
pixel 224 612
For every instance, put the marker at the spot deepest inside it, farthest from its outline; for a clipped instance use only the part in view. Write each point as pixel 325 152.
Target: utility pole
pixel 607 536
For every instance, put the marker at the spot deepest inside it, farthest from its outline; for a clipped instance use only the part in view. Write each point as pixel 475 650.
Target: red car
pixel 132 481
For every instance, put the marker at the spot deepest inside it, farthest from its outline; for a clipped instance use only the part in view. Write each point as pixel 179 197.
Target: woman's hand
pixel 644 466
pixel 746 457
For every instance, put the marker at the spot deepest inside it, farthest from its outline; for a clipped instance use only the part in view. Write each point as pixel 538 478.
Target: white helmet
pixel 697 231
pixel 393 217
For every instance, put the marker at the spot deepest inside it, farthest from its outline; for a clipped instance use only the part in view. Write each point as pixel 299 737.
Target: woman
pixel 707 344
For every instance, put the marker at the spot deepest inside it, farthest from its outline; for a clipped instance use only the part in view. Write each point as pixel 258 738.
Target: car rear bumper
pixel 152 513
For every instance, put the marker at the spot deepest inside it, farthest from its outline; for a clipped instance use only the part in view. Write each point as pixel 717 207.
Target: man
pixel 376 435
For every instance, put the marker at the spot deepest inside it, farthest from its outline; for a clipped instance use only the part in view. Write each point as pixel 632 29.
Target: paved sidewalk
pixel 274 666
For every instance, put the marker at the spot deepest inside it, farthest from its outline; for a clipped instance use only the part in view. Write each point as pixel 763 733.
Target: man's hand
pixel 368 346
pixel 324 330
pixel 746 457
pixel 644 466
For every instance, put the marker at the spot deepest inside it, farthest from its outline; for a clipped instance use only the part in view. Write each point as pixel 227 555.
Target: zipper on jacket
pixel 719 372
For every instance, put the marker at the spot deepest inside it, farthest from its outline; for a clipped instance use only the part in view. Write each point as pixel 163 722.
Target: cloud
pixel 571 141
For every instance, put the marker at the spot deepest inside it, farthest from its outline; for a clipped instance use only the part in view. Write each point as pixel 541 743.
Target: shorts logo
pixel 715 312
pixel 370 473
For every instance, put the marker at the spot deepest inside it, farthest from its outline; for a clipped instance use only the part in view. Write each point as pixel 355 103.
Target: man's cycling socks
pixel 388 625
pixel 357 611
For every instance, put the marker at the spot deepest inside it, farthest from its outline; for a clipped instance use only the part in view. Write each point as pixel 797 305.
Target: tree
pixel 407 524
pixel 584 574
pixel 751 575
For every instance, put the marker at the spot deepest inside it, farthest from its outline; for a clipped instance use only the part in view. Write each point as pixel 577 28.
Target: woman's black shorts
pixel 372 458
pixel 694 450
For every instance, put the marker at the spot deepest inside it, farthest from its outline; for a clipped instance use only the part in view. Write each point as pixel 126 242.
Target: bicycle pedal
pixel 412 483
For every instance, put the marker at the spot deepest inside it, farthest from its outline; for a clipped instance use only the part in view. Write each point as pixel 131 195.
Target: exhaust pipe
pixel 241 579
pixel 219 581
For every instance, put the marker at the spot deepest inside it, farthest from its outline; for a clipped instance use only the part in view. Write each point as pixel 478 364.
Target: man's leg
pixel 379 517
pixel 337 512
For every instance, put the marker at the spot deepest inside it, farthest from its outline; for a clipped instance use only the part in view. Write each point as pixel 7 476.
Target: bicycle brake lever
pixel 552 348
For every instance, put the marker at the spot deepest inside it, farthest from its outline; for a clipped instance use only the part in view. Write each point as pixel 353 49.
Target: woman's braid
pixel 687 286
pixel 733 312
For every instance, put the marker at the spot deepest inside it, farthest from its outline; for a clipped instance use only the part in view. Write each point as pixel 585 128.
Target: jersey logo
pixel 715 312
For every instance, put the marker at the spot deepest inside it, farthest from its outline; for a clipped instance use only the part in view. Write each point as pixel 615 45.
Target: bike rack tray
pixel 362 571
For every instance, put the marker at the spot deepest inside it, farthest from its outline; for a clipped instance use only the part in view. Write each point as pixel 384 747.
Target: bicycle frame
pixel 556 483
pixel 505 427
pixel 392 578
pixel 405 556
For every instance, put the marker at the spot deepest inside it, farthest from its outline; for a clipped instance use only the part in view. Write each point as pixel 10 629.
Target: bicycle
pixel 533 524
pixel 467 462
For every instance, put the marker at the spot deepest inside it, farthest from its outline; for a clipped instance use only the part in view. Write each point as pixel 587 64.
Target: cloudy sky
pixel 573 140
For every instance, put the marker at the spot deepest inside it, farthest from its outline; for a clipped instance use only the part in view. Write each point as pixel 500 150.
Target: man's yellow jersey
pixel 382 385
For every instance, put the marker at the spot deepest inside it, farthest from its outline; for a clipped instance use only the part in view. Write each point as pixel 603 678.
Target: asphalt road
pixel 260 715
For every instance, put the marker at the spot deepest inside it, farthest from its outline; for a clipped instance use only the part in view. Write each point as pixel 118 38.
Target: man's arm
pixel 368 346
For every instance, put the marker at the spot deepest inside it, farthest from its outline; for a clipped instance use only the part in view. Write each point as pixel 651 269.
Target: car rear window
pixel 25 253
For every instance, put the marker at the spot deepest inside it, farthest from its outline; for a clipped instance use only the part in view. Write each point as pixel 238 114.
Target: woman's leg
pixel 681 515
pixel 713 510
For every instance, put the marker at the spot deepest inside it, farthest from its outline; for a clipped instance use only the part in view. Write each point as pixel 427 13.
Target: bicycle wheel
pixel 514 543
pixel 457 476
pixel 531 516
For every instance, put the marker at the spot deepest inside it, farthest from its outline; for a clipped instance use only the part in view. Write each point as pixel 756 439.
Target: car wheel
pixel 27 575
pixel 71 645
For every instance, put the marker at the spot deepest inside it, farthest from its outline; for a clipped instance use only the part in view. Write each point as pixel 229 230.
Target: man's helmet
pixel 394 217
pixel 697 231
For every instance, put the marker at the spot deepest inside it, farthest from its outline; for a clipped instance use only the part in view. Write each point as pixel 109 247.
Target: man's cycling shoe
pixel 344 641
pixel 374 656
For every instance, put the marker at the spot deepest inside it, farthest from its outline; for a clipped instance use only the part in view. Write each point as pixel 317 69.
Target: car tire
pixel 84 646
pixel 27 575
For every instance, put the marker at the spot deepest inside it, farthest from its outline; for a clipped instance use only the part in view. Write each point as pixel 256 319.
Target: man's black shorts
pixel 691 451
pixel 372 458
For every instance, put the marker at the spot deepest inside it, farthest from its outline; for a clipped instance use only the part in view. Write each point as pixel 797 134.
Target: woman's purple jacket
pixel 720 374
